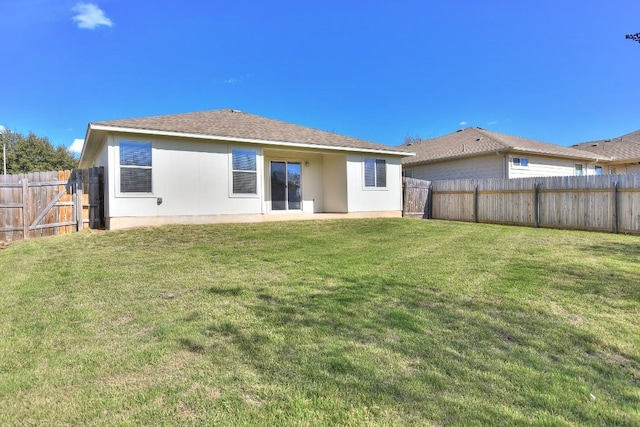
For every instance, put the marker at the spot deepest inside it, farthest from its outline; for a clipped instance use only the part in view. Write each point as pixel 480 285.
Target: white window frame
pixel 596 168
pixel 375 176
pixel 519 164
pixel 118 183
pixel 582 169
pixel 258 158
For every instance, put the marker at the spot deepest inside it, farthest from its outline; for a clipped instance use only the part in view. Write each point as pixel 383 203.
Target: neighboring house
pixel 479 153
pixel 623 151
pixel 229 166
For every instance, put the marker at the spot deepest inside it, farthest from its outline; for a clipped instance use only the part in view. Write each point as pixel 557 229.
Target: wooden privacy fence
pixel 416 198
pixel 46 203
pixel 601 203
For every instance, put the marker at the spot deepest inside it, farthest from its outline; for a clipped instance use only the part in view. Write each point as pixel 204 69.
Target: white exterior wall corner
pixel 190 178
pixel 334 183
pixel 191 183
pixel 364 199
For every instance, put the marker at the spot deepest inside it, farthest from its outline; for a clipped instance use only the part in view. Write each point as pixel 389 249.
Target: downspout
pixel 506 164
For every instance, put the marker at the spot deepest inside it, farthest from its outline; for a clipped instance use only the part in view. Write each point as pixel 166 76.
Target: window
pixel 598 170
pixel 244 170
pixel 408 173
pixel 375 172
pixel 135 167
pixel 522 162
pixel 579 171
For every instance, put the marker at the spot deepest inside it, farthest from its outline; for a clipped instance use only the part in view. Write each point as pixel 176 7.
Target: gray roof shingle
pixel 474 141
pixel 233 124
pixel 626 147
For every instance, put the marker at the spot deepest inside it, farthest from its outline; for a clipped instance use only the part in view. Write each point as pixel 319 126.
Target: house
pixel 478 153
pixel 230 166
pixel 623 151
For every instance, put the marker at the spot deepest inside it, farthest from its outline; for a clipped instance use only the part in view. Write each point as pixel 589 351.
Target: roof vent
pixel 594 145
pixel 235 111
pixel 459 130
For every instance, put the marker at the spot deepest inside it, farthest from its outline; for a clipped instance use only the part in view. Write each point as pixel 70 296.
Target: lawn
pixel 353 322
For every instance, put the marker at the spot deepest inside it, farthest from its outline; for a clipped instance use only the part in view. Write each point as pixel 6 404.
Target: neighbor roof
pixel 624 148
pixel 234 125
pixel 475 141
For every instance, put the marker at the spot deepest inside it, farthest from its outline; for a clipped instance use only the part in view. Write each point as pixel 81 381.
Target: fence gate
pixel 47 203
pixel 416 196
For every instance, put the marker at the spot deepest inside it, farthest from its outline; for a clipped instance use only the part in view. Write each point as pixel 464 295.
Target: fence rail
pixel 46 203
pixel 601 203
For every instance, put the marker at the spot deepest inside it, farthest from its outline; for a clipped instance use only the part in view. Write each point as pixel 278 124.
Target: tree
pixel 634 37
pixel 33 153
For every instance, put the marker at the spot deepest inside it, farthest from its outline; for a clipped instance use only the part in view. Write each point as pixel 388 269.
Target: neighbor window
pixel 375 172
pixel 244 170
pixel 408 173
pixel 520 161
pixel 135 167
pixel 579 171
pixel 598 170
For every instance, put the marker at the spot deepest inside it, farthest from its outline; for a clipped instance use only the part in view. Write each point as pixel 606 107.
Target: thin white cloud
pixel 463 123
pixel 237 80
pixel 493 123
pixel 76 146
pixel 90 16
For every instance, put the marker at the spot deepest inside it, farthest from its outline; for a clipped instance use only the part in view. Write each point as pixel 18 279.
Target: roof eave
pixel 245 140
pixel 506 150
pixel 457 156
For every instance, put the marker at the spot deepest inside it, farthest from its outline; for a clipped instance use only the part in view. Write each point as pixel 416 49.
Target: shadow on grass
pixel 627 251
pixel 443 357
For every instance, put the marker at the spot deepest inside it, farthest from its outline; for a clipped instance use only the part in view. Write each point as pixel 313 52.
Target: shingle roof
pixel 626 147
pixel 233 124
pixel 476 141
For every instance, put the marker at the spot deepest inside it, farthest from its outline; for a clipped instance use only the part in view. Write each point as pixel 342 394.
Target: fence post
pixel 428 203
pixel 536 205
pixel 475 203
pixel 26 213
pixel 405 197
pixel 78 201
pixel 615 206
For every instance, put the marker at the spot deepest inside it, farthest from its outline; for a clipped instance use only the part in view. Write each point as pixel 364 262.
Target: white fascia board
pixel 248 140
pixel 586 156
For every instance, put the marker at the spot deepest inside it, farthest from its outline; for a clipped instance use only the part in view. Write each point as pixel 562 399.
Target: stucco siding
pixel 482 167
pixel 364 199
pixel 311 177
pixel 334 183
pixel 188 178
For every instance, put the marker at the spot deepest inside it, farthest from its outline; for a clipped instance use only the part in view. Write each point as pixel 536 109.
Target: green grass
pixel 354 322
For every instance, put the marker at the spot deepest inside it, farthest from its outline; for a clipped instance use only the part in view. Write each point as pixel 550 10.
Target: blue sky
pixel 558 71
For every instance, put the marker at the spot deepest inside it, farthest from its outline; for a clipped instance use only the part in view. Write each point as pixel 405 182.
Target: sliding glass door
pixel 286 183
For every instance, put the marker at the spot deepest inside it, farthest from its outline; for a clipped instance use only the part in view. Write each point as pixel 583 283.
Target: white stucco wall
pixel 191 177
pixel 191 182
pixel 311 176
pixel 334 183
pixel 364 199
